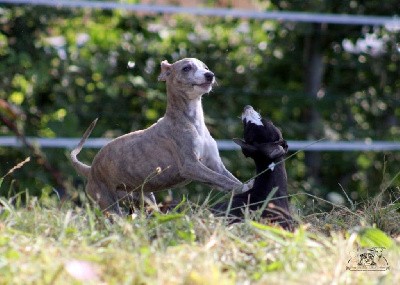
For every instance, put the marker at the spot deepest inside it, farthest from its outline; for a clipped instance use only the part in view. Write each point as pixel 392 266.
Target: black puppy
pixel 262 142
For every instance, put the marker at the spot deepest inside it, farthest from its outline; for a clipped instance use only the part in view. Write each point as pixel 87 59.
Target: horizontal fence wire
pixel 223 145
pixel 342 19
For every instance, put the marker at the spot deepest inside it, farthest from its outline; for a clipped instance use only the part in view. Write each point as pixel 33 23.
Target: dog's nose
pixel 209 76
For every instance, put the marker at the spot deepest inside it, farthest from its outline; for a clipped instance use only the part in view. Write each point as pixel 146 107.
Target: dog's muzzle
pixel 252 116
pixel 209 81
pixel 209 76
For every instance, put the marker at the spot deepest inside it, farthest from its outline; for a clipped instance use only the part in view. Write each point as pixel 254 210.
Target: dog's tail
pixel 81 168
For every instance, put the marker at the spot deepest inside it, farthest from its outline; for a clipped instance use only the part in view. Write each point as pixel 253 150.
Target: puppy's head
pixel 261 138
pixel 189 76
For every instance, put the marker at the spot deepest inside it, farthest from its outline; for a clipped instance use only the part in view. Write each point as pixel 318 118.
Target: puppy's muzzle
pixel 209 76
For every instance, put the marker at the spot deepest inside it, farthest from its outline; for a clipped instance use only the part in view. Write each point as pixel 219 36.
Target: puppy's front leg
pixel 195 170
pixel 219 167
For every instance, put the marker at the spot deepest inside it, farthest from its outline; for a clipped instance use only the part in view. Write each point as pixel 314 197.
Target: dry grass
pixel 42 244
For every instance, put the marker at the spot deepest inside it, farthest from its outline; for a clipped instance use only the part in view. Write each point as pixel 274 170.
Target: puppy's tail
pixel 80 167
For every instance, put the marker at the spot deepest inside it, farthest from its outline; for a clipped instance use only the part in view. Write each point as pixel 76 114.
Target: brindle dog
pixel 174 151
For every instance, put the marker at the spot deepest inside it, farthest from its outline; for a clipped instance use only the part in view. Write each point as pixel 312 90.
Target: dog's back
pixel 142 156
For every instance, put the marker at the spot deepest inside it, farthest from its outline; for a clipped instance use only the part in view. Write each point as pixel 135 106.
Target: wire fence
pixel 223 145
pixel 341 19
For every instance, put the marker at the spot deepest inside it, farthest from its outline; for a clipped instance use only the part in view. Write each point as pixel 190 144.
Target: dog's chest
pixel 206 147
pixel 195 115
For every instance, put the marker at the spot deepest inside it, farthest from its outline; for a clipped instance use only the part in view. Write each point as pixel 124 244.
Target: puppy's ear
pixel 285 146
pixel 247 149
pixel 273 151
pixel 165 70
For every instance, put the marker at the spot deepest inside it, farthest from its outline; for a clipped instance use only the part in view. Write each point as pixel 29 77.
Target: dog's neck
pixel 181 108
pixel 264 180
pixel 261 166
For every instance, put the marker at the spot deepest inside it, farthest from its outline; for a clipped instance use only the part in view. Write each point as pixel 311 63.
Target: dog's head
pixel 189 75
pixel 261 138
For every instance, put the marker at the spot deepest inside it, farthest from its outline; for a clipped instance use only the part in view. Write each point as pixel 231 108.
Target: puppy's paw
pixel 247 186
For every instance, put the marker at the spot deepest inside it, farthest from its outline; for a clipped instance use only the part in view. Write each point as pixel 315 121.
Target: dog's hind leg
pixel 136 200
pixel 100 193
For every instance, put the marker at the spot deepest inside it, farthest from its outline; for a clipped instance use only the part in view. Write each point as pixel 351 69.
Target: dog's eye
pixel 187 68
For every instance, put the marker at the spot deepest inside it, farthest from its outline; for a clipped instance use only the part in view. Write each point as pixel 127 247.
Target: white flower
pixel 82 270
pixel 81 39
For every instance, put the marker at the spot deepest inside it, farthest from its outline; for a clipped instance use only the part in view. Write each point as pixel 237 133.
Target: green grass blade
pixel 275 230
pixel 7 205
pixel 370 237
pixel 164 218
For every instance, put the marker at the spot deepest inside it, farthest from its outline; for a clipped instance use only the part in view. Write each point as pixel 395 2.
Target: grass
pixel 43 242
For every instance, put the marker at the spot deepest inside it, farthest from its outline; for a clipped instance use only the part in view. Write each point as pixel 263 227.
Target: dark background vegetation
pixel 61 68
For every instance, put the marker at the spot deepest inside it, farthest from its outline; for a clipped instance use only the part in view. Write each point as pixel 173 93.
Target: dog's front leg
pixel 246 186
pixel 220 168
pixel 195 170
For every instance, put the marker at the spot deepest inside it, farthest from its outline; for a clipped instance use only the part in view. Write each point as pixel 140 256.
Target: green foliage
pixel 370 237
pixel 61 68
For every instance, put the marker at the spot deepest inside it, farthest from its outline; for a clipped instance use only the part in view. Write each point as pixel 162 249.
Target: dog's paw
pixel 247 186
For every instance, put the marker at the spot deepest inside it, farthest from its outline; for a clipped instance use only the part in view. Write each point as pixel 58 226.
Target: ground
pixel 43 242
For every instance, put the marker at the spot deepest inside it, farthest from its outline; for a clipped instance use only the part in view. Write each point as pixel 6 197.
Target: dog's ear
pixel 165 70
pixel 247 149
pixel 285 146
pixel 273 151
